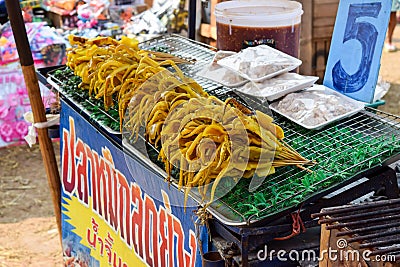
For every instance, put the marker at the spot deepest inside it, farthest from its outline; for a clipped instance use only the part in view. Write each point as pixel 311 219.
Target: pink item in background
pixel 24 99
pixel 3 112
pixel 7 114
pixel 20 129
pixel 13 100
pixel 6 132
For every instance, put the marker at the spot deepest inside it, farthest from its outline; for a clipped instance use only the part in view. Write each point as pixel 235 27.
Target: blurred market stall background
pixel 49 22
pixel 23 187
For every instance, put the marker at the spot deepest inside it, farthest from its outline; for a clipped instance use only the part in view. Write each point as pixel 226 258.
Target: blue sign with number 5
pixel 356 47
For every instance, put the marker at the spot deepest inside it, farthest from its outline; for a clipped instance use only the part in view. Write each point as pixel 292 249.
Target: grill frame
pixel 374 226
pixel 367 114
pixel 190 50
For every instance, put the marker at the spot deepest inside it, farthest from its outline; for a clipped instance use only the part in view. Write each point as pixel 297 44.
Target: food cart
pixel 120 207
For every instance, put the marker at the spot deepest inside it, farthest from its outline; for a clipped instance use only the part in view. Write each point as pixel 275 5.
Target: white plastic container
pixel 220 74
pixel 245 23
pixel 316 107
pixel 260 63
pixel 278 86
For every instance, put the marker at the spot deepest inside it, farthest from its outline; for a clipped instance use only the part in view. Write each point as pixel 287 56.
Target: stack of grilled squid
pixel 206 139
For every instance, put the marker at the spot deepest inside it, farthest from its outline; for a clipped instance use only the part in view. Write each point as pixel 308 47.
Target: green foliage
pixel 70 85
pixel 341 153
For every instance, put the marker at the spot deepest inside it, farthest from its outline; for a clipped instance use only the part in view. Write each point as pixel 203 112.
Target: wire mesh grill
pixel 376 131
pixel 92 107
pixel 192 51
pixel 342 150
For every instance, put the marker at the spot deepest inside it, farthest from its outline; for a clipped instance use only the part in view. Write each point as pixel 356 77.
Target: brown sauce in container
pixel 285 38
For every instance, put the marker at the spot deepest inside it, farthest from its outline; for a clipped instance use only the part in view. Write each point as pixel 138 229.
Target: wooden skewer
pixel 161 56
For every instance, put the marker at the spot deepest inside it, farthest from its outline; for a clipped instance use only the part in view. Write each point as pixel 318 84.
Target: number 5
pixel 366 34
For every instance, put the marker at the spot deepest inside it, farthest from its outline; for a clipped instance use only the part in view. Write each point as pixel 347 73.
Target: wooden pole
pixel 39 114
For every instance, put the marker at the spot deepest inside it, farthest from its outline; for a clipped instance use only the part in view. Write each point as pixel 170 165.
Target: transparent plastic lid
pixel 259 12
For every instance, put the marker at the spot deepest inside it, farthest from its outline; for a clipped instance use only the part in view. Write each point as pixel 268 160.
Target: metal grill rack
pixel 370 123
pixel 74 97
pixel 199 53
pixel 373 226
pixel 249 240
pixel 367 124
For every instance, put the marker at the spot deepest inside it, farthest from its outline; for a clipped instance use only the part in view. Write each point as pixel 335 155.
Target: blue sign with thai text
pixel 108 219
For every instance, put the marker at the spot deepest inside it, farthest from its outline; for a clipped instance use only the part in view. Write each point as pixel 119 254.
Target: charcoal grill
pixel 336 187
pixel 373 226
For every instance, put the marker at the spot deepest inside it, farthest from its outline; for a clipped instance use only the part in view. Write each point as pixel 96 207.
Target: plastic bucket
pixel 246 23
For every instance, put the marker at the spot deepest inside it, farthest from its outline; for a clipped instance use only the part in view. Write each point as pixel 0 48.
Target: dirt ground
pixel 28 232
pixel 390 72
pixel 23 184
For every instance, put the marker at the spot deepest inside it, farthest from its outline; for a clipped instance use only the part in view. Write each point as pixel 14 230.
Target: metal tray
pixel 356 107
pixel 262 89
pixel 369 122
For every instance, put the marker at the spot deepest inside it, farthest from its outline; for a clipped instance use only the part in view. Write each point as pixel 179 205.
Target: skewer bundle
pixel 203 137
pixel 112 69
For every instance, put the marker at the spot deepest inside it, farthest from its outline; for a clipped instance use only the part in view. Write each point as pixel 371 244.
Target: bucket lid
pixel 265 10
